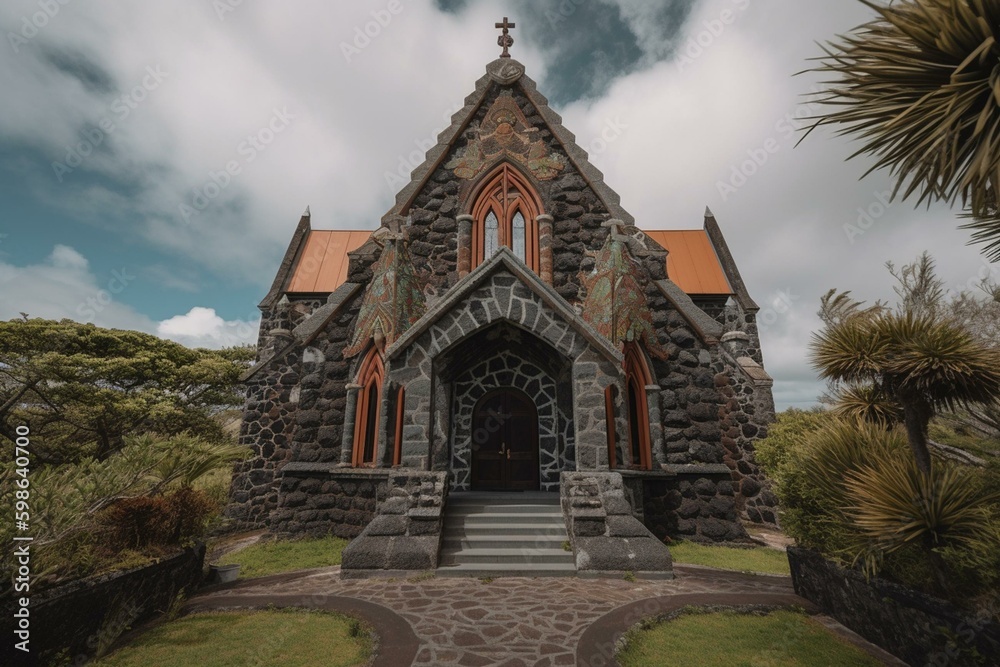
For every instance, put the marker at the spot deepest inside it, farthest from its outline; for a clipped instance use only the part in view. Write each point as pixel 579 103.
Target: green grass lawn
pixel 264 558
pixel 728 639
pixel 760 559
pixel 286 638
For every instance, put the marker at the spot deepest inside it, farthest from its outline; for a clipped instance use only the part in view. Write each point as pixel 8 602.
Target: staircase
pixel 505 534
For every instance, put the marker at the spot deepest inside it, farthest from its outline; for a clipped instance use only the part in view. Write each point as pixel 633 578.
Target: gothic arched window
pixel 505 212
pixel 637 376
pixel 366 416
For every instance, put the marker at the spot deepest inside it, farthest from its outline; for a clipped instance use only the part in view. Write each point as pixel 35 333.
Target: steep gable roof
pixel 507 72
pixel 504 259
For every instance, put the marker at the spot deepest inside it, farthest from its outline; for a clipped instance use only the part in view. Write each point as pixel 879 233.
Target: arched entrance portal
pixel 505 442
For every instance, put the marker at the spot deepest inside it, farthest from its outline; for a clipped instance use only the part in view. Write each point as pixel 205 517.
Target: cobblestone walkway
pixel 507 621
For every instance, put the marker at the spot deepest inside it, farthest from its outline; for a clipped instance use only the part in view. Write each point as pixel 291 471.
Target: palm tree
pixel 920 85
pixel 919 363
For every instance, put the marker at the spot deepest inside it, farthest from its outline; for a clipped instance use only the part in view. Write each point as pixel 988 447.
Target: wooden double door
pixel 505 442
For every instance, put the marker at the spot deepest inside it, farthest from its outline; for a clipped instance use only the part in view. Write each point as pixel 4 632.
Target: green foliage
pixel 852 491
pixel 811 486
pixel 83 388
pixel 914 364
pixel 917 86
pixel 947 512
pixel 68 502
pixel 788 433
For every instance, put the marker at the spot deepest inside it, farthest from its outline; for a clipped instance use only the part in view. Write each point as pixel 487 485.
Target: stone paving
pixel 512 621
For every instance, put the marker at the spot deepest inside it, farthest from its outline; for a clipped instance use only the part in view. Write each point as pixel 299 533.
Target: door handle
pixel 508 455
pixel 503 446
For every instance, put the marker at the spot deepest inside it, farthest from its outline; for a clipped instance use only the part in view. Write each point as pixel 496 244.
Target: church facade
pixel 507 328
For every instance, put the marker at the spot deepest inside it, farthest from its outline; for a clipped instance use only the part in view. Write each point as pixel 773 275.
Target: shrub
pixel 810 477
pixel 853 491
pixel 948 514
pixel 142 521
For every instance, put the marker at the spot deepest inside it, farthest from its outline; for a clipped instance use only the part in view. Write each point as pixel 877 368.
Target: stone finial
pixel 735 343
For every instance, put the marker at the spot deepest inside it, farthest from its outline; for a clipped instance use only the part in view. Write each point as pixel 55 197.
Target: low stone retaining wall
pixel 406 532
pixel 696 502
pixel 917 628
pixel 321 498
pixel 79 618
pixel 604 533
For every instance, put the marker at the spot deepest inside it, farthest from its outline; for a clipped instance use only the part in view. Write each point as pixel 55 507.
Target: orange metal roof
pixel 322 266
pixel 692 262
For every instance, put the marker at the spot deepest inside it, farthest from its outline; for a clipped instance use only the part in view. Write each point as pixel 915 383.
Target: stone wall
pixel 697 503
pixel 82 617
pixel 406 532
pixel 689 398
pixel 746 414
pixel 604 534
pixel 319 422
pixel 916 628
pixel 319 499
pixel 272 399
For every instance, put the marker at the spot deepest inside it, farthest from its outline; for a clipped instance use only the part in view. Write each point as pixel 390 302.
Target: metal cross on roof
pixel 505 40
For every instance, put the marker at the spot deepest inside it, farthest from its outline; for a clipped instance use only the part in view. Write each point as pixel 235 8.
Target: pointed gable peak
pixel 505 122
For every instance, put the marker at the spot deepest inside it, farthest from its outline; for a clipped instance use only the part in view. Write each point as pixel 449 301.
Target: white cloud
pixel 62 286
pixel 202 327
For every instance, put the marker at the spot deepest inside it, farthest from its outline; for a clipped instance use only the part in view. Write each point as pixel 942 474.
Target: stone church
pixel 507 340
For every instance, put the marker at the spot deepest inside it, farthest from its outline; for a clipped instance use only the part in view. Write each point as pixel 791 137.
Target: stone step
pixel 524 498
pixel 504 517
pixel 504 542
pixel 470 528
pixel 494 555
pixel 507 570
pixel 502 508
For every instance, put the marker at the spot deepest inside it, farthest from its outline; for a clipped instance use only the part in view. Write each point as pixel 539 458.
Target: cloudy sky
pixel 119 121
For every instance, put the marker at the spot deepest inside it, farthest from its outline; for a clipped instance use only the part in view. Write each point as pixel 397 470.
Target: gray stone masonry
pixel 405 534
pixel 605 535
pixel 319 499
pixel 745 416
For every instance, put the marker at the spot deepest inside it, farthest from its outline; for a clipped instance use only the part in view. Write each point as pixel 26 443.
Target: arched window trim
pixel 504 178
pixel 611 424
pixel 371 372
pixel 637 376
